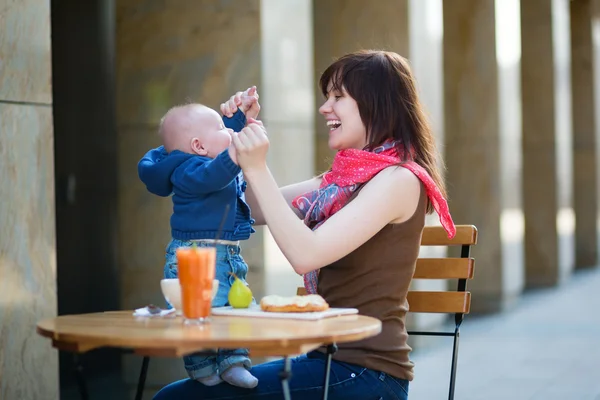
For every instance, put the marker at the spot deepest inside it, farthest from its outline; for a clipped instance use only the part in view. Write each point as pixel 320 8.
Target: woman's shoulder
pixel 400 187
pixel 397 178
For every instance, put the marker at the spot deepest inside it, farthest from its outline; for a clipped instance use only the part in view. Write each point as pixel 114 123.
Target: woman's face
pixel 346 129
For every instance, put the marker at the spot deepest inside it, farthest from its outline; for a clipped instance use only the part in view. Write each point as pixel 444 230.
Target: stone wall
pixel 27 239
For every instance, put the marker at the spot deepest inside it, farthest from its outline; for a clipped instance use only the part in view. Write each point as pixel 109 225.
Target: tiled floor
pixel 547 348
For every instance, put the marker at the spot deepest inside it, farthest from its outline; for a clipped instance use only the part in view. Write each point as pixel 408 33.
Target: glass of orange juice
pixel 196 270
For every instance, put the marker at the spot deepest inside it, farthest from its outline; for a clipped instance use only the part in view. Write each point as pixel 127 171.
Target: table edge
pixel 74 342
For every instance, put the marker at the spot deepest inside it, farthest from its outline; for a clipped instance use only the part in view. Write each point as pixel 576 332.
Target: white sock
pixel 239 376
pixel 211 380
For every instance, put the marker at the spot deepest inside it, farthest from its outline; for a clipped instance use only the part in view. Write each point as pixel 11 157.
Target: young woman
pixel 353 232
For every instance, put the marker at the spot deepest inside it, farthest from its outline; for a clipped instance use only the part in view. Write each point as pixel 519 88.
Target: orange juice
pixel 196 270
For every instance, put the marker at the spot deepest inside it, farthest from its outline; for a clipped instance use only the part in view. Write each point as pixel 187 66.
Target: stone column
pixel 585 189
pixel 28 363
pixel 288 110
pixel 546 135
pixel 343 26
pixel 425 37
pixel 169 53
pixel 476 176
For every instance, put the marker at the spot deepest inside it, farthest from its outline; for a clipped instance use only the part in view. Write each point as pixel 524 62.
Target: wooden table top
pixel 169 337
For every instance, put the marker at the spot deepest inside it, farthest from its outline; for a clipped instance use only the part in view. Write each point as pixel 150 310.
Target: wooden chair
pixel 447 302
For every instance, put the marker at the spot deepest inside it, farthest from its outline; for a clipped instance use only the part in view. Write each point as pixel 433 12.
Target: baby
pixel 197 165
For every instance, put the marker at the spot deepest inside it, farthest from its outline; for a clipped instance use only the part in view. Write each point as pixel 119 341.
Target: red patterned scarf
pixel 351 168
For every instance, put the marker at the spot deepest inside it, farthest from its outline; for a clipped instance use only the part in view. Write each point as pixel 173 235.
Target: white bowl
pixel 172 291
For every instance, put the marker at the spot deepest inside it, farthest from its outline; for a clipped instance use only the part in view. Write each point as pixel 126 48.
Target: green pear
pixel 240 295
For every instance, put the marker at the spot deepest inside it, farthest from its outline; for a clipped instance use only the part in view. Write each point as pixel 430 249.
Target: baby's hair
pixel 187 101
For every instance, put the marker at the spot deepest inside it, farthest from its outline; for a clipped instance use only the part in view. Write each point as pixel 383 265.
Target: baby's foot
pixel 239 376
pixel 211 380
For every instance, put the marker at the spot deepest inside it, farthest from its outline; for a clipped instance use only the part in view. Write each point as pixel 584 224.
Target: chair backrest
pixel 448 302
pixel 451 302
pixel 461 268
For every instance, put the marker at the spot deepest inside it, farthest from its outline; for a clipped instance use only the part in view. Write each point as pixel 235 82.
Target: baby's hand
pixel 249 102
pixel 246 101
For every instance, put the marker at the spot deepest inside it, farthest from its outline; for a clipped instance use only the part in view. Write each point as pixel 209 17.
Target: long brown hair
pixel 383 86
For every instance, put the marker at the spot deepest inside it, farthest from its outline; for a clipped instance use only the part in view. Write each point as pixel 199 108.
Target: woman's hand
pixel 231 149
pixel 246 101
pixel 251 145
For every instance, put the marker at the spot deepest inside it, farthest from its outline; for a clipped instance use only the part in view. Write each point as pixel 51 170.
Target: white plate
pixel 255 311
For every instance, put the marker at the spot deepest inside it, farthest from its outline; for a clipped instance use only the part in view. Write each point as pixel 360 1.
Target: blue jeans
pixel 347 382
pixel 228 261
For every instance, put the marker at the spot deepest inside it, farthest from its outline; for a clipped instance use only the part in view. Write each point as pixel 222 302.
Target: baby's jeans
pixel 228 261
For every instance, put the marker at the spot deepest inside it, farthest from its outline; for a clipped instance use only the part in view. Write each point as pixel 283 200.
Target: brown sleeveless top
pixel 375 279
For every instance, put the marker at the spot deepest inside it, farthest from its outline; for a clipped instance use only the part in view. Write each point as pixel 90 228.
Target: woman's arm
pixel 391 196
pixel 289 193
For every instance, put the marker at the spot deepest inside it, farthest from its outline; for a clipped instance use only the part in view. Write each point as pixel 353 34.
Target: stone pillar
pixel 475 174
pixel 169 53
pixel 546 134
pixel 28 363
pixel 585 189
pixel 288 110
pixel 343 26
pixel 425 37
pixel 508 52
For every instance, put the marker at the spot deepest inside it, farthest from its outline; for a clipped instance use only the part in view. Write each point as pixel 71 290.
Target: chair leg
pixel 142 379
pixel 285 376
pixel 78 368
pixel 331 349
pixel 454 364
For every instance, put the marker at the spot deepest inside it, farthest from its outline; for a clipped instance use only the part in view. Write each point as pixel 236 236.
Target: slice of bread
pixel 293 304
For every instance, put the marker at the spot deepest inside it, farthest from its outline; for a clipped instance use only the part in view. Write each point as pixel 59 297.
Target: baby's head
pixel 194 129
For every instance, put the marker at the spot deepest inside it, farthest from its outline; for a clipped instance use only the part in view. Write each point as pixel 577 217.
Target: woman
pixel 362 220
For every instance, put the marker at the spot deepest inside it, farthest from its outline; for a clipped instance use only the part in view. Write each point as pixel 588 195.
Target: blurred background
pixel 511 88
